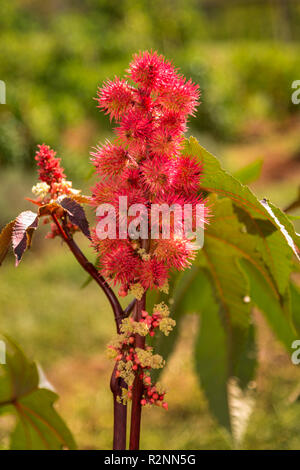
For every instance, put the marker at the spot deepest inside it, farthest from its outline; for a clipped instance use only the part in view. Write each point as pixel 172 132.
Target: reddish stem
pixel 137 391
pixel 120 410
pixel 138 385
pixel 90 268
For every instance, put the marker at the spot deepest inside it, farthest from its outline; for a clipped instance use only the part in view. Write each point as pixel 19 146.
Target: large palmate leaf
pixel 211 352
pixel 246 260
pixel 276 311
pixel 179 303
pixel 295 305
pixel 265 225
pixel 250 172
pixel 193 292
pixel 25 392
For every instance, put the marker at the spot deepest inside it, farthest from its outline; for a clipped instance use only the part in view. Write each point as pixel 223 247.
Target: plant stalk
pixel 116 384
pixel 137 391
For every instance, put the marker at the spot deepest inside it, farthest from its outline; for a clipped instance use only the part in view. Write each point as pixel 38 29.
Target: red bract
pixel 145 164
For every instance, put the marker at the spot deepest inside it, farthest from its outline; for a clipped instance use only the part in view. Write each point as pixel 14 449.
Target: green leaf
pixel 284 225
pixel 268 228
pixel 244 228
pixel 248 258
pixel 193 293
pixel 274 308
pixel 25 392
pixel 295 204
pixel 211 354
pixel 295 305
pixel 225 243
pixel 247 361
pixel 293 217
pixel 249 173
pixel 164 345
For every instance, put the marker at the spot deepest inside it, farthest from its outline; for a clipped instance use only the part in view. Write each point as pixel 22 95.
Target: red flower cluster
pixel 52 184
pixel 50 171
pixel 145 164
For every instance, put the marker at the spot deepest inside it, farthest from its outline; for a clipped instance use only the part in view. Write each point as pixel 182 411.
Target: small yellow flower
pixel 166 325
pixel 162 309
pixel 137 290
pixel 41 190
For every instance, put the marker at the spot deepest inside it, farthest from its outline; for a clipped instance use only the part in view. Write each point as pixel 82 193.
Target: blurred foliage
pixel 55 54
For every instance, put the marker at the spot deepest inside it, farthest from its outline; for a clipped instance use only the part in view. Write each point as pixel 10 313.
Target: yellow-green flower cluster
pixel 148 359
pixel 130 326
pixel 114 346
pixel 166 325
pixel 41 189
pixel 164 288
pixel 143 254
pixel 125 396
pixel 162 309
pixel 132 360
pixel 126 372
pixel 137 290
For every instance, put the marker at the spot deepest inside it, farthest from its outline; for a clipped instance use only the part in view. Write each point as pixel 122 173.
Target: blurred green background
pixel 245 55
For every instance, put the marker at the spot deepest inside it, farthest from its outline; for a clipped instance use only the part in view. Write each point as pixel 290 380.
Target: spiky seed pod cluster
pixel 131 360
pixel 144 163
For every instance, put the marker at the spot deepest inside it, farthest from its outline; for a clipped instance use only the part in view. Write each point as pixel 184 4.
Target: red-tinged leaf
pixel 76 214
pixel 81 198
pixel 5 239
pixel 48 209
pixel 37 203
pixel 23 229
